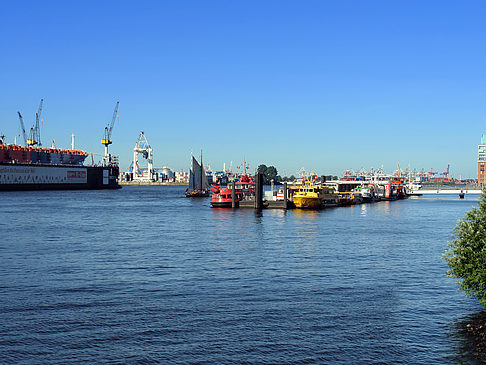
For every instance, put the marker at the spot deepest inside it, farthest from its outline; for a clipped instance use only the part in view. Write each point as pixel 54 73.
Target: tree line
pixel 270 173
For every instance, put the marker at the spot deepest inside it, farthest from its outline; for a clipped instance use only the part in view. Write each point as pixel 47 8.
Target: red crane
pixel 446 172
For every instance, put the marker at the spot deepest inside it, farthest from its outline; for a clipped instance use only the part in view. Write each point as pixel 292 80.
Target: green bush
pixel 466 255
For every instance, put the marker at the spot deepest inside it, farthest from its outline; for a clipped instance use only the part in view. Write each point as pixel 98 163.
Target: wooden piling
pixel 285 195
pixel 259 191
pixel 233 194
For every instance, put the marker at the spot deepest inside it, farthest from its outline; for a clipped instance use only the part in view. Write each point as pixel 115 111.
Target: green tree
pixel 272 174
pixel 269 173
pixel 263 169
pixel 466 255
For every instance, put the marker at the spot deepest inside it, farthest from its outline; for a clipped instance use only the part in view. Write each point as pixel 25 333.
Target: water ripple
pixel 143 275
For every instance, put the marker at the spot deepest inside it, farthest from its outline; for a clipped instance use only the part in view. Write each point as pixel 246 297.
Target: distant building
pixel 482 161
pixel 182 177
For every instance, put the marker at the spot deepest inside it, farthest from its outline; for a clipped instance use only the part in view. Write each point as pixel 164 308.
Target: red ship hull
pixel 222 198
pixel 35 168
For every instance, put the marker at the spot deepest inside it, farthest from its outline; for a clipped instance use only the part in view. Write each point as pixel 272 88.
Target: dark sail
pixel 197 177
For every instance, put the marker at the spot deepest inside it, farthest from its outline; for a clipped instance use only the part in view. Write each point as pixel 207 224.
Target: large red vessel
pixel 37 168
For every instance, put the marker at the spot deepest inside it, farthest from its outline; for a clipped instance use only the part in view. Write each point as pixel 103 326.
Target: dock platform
pixel 267 204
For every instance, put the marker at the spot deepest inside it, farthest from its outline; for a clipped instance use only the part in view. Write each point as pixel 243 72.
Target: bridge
pixel 447 191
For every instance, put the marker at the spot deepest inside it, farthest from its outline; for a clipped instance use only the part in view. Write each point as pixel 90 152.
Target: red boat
pixel 244 189
pixel 222 197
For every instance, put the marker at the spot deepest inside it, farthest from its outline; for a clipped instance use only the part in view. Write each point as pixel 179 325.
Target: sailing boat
pixel 198 183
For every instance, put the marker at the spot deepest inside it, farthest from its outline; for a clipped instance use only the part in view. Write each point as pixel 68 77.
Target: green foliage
pixel 269 173
pixel 466 255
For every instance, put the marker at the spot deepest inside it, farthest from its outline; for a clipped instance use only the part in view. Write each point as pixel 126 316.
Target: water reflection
pixel 306 213
pixel 258 215
pixel 468 337
pixel 363 209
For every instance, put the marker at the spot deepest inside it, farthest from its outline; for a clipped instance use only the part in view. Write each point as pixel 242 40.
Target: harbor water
pixel 143 274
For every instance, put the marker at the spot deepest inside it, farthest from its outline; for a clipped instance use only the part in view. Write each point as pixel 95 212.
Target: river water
pixel 144 275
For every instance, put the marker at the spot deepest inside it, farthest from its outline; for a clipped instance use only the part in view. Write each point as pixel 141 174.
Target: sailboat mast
pixel 201 172
pixel 192 170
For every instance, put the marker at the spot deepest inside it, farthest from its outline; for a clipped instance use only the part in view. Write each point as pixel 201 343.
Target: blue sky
pixel 325 85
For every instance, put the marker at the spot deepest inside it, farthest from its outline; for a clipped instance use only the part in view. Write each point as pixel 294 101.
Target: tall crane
pixel 37 119
pixel 23 128
pixel 446 172
pixel 34 135
pixel 108 129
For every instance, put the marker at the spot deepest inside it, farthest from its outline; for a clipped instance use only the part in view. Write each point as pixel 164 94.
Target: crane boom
pixel 108 129
pixel 37 119
pixel 113 119
pixel 23 128
pixel 107 137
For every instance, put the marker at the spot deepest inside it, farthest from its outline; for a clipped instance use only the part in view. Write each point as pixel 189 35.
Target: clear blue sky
pixel 325 85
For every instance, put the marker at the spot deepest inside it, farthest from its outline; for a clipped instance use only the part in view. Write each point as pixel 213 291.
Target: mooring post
pixel 258 191
pixel 233 195
pixel 285 195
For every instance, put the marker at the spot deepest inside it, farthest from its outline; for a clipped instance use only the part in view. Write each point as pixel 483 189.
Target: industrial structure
pixel 142 147
pixel 34 134
pixel 106 140
pixel 33 167
pixel 482 161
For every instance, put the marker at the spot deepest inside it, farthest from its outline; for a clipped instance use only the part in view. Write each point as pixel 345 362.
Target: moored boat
pixel 198 183
pixel 366 192
pixel 347 198
pixel 223 197
pixel 399 186
pixel 311 195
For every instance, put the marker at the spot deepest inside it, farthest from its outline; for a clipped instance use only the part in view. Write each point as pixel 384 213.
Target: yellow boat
pixel 313 196
pixel 346 198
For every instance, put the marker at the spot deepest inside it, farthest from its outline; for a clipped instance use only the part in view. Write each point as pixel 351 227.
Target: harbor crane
pixel 36 132
pixel 446 172
pixel 23 128
pixel 108 129
pixel 142 147
pixel 431 173
pixel 34 135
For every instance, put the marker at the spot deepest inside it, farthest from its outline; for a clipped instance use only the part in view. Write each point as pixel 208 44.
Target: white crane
pixel 142 147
